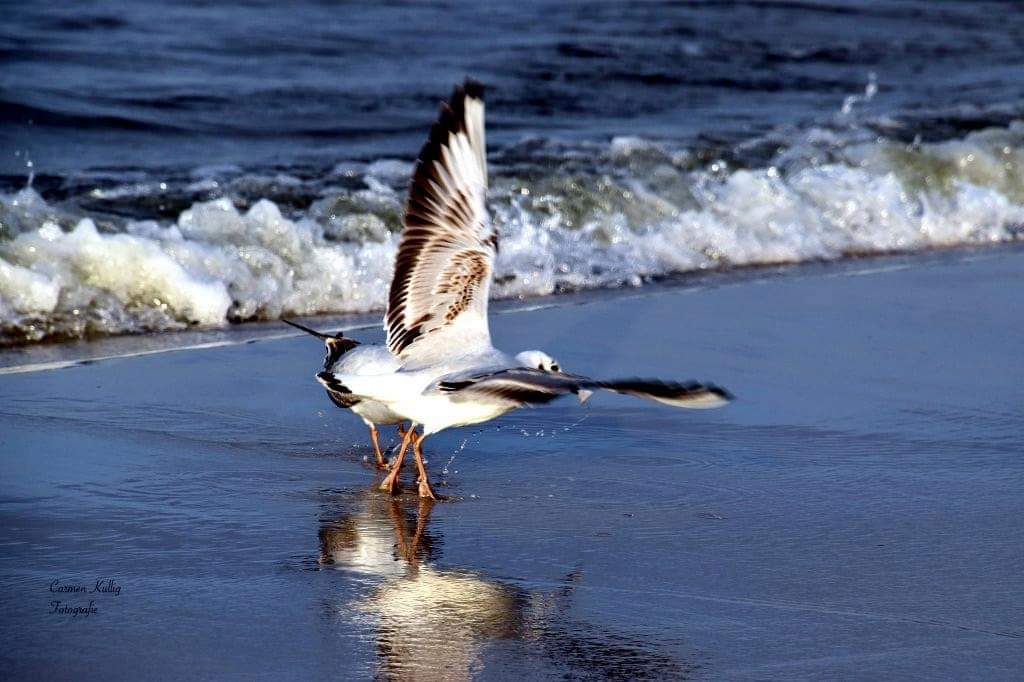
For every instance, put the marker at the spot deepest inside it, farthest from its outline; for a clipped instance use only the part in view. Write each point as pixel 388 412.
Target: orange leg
pixel 390 483
pixel 424 482
pixel 401 534
pixel 409 549
pixel 376 448
pixel 421 525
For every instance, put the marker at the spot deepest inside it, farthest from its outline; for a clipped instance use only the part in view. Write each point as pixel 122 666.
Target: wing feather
pixel 525 386
pixel 446 255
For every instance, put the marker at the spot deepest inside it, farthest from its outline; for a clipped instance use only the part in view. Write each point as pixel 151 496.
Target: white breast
pixel 436 411
pixel 373 412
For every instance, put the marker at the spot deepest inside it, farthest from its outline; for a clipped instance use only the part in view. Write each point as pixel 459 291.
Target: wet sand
pixel 856 514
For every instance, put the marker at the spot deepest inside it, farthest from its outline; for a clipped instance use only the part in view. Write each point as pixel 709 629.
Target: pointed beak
pixel 319 335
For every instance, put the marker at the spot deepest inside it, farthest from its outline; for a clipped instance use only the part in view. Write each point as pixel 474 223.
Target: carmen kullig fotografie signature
pixel 64 607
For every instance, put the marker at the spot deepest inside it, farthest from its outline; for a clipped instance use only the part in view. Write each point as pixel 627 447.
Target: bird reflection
pixel 381 538
pixel 434 623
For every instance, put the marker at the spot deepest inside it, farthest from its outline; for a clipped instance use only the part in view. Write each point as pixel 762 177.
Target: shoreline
pixel 59 355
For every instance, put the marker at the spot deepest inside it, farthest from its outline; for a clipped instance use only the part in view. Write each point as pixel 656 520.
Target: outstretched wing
pixel 523 386
pixel 442 279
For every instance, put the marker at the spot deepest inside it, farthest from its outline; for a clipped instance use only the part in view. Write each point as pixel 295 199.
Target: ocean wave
pixel 570 218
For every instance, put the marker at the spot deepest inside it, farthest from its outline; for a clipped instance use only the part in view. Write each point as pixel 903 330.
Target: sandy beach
pixel 856 514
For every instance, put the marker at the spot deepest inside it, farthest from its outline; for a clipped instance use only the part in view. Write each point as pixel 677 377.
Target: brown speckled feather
pixel 445 258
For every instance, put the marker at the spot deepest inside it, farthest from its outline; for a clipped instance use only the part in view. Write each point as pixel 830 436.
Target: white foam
pixel 638 213
pixel 135 270
pixel 25 291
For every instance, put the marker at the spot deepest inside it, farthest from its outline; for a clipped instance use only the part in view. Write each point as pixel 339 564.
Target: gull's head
pixel 335 345
pixel 538 359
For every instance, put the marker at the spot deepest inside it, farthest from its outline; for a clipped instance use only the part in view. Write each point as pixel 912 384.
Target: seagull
pixel 450 374
pixel 344 354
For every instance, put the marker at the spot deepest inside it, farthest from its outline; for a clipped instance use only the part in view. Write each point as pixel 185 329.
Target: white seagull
pixel 450 374
pixel 348 356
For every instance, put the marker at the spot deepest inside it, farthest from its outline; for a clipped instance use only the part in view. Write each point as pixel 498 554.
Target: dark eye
pixel 540 366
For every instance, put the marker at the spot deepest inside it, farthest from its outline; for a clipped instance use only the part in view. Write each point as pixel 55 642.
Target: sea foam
pixel 630 211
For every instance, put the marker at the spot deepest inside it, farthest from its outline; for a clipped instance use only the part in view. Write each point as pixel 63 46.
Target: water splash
pixel 444 470
pixel 852 101
pixel 576 423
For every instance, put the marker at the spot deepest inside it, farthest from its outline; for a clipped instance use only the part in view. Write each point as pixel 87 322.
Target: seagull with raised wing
pixel 450 374
pixel 346 355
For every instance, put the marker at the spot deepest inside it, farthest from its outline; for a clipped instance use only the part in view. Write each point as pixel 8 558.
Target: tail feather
pixel 329 381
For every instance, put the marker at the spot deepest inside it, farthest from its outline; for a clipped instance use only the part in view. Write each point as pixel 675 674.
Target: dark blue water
pixel 161 85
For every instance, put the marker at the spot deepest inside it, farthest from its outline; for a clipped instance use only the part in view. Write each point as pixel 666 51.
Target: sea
pixel 180 165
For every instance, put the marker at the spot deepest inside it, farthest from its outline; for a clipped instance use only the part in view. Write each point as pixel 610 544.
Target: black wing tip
pixel 671 390
pixel 722 393
pixel 694 387
pixel 472 88
pixel 451 114
pixel 450 119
